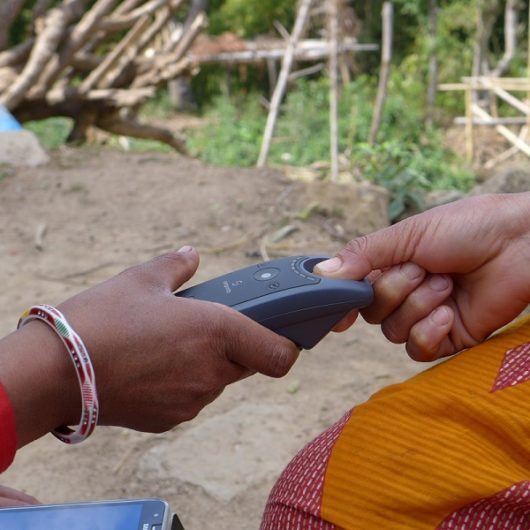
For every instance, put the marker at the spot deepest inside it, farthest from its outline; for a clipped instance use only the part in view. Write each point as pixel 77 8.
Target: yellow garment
pixel 418 451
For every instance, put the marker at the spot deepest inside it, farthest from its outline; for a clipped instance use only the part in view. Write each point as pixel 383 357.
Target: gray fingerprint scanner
pixel 285 296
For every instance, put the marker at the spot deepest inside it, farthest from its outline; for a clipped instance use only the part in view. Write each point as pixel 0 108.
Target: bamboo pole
pixel 469 123
pixel 282 80
pixel 504 131
pixel 386 58
pixel 433 62
pixel 333 88
pixel 502 157
pixel 306 50
pixel 514 120
pixel 528 73
pixel 508 98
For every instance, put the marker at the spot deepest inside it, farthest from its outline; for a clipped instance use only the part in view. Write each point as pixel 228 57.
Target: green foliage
pixel 248 18
pixel 51 132
pixel 408 161
pixel 233 134
pixel 408 170
pixel 158 106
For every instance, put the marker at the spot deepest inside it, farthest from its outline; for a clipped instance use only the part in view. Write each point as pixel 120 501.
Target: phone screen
pixel 90 516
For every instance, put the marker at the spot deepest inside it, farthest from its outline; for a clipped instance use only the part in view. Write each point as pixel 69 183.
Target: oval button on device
pixel 264 275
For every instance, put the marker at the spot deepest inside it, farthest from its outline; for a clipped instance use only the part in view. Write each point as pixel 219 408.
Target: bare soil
pixel 101 211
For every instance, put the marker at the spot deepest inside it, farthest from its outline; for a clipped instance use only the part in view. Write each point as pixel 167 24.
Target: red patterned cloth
pixel 507 510
pixel 296 499
pixel 515 368
pixel 449 449
pixel 8 440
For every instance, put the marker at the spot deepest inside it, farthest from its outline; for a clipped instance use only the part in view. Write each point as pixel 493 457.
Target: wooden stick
pixel 510 38
pixel 126 6
pixel 504 131
pixel 452 86
pixel 9 10
pixel 281 30
pixel 469 124
pixel 55 24
pixel 511 100
pixel 77 38
pixel 39 236
pixel 110 60
pixel 433 62
pixel 40 7
pixel 310 70
pixel 121 97
pixel 119 22
pixel 386 58
pixel 279 91
pixel 505 155
pixel 17 54
pixel 514 120
pixel 306 50
pixel 162 18
pixel 117 124
pixel 187 38
pixel 528 73
pixel 334 89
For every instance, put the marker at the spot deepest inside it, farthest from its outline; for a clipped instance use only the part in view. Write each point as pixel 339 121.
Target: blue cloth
pixel 7 121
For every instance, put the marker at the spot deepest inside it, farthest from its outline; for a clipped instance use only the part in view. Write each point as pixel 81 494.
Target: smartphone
pixel 134 514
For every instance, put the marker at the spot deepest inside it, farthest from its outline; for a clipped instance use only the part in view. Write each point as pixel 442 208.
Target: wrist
pixel 40 381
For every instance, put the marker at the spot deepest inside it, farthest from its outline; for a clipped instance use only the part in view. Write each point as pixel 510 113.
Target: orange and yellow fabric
pixel 448 449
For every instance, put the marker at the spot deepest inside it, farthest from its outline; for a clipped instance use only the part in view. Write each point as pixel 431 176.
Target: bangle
pixel 83 367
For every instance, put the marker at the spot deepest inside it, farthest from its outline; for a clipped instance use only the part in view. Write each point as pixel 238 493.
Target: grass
pixel 52 132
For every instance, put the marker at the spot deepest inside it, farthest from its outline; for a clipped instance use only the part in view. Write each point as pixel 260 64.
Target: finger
pixel 174 268
pixel 429 338
pixel 18 496
pixel 347 321
pixel 391 289
pixel 255 347
pixel 420 303
pixel 384 248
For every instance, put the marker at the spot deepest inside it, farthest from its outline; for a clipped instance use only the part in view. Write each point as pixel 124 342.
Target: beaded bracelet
pixel 83 367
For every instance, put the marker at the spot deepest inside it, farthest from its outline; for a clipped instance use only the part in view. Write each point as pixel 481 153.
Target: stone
pixel 441 197
pixel 21 148
pixel 513 178
pixel 228 453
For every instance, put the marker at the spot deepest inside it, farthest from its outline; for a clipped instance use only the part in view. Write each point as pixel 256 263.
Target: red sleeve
pixel 8 438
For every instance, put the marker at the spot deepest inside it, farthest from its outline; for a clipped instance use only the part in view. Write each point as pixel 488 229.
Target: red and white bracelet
pixel 83 367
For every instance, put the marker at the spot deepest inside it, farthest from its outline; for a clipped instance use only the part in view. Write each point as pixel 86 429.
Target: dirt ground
pixel 101 211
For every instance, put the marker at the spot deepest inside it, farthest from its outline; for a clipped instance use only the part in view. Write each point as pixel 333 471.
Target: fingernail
pixel 184 249
pixel 439 282
pixel 330 265
pixel 411 270
pixel 441 316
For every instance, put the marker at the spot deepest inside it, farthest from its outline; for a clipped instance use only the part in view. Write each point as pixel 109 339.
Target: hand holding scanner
pixel 285 296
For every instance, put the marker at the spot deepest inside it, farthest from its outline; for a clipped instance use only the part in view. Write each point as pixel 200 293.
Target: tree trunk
pixel 386 59
pixel 334 88
pixel 510 38
pixel 433 62
pixel 180 93
pixel 487 15
pixel 279 91
pixel 9 9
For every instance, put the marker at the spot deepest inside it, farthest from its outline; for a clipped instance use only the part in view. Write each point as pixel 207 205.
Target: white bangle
pixel 83 367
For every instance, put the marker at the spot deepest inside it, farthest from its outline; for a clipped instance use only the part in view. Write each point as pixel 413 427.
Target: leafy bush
pixel 248 18
pixel 233 133
pixel 408 160
pixel 51 132
pixel 408 170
